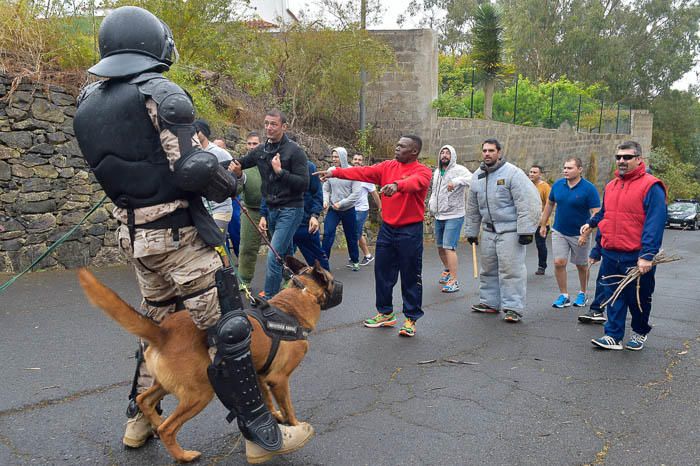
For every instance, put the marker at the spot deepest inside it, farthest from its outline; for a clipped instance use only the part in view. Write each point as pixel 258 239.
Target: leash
pixel 51 248
pixel 262 234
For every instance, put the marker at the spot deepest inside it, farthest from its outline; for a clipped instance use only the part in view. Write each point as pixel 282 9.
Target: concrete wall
pixel 525 146
pixel 401 100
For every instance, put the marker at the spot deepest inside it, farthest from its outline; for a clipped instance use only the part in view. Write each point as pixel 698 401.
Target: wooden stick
pixel 474 263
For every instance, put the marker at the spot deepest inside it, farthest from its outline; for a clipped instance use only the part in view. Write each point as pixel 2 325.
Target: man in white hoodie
pixel 339 197
pixel 447 204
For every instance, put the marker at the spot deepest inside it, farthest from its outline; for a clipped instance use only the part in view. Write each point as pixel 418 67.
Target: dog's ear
pixel 320 272
pixel 294 264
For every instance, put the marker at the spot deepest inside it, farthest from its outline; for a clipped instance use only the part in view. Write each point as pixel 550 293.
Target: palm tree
pixel 487 50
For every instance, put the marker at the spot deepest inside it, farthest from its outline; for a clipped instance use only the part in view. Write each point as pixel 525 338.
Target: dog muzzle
pixel 334 297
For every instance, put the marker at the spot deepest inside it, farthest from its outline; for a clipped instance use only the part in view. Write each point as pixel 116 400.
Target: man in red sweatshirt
pixel 404 183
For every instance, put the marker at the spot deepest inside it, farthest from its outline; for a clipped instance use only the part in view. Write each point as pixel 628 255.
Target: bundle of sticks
pixel 633 275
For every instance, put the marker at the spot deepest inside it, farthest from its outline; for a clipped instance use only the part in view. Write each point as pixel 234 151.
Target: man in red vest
pixel 631 225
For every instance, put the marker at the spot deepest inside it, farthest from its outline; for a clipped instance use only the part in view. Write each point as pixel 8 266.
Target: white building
pixel 272 11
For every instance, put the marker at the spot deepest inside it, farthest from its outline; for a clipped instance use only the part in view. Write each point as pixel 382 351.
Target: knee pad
pixel 231 335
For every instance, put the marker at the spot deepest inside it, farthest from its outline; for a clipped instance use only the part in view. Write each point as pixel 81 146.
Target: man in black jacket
pixel 285 178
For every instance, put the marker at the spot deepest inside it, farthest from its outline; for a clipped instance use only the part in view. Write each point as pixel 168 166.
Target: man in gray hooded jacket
pixel 339 197
pixel 505 201
pixel 447 203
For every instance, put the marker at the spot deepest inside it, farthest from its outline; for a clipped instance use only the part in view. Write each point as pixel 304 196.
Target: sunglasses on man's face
pixel 625 156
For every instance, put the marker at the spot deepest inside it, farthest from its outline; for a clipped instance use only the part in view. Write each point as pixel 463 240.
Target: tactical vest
pixel 123 148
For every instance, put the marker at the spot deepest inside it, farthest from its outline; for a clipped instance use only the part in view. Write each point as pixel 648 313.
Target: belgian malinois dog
pixel 178 357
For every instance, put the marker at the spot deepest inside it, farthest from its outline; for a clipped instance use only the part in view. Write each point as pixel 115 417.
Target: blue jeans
pixel 602 292
pixel 617 311
pixel 541 244
pixel 234 227
pixel 447 232
pixel 282 223
pixel 360 219
pixel 333 218
pixel 400 250
pixel 310 246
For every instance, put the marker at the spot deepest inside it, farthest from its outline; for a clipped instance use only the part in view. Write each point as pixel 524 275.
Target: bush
pixel 676 175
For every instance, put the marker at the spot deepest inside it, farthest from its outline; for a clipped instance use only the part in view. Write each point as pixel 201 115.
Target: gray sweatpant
pixel 503 278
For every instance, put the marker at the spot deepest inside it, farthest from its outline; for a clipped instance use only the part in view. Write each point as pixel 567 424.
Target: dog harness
pixel 278 325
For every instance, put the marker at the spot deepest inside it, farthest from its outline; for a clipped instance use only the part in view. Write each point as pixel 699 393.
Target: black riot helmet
pixel 133 40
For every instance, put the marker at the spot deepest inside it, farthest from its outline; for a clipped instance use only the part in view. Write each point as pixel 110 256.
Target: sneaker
pixel 138 430
pixel 636 342
pixel 408 329
pixel 445 277
pixel 540 271
pixel 355 267
pixel 367 260
pixel 592 317
pixel 381 320
pixel 293 438
pixel 581 299
pixel 512 316
pixel 451 287
pixel 607 342
pixel 349 264
pixel 561 301
pixel 484 308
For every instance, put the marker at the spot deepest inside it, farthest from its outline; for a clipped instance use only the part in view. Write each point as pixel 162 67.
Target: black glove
pixel 473 240
pixel 525 239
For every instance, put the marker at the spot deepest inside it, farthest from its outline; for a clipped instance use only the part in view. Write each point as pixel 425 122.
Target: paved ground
pixel 533 393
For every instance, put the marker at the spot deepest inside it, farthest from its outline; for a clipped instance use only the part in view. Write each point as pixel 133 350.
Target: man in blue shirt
pixel 575 199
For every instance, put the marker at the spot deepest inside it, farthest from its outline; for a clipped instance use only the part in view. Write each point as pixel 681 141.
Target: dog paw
pixel 279 417
pixel 189 455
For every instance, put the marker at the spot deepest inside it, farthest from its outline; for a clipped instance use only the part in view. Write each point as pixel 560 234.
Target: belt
pixel 177 219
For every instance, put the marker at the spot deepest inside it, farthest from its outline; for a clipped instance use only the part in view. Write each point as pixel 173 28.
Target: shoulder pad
pixel 87 90
pixel 159 88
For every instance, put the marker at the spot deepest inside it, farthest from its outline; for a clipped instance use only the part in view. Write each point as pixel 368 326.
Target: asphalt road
pixel 533 393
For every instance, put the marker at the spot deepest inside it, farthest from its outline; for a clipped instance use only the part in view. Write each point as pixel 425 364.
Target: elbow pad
pixel 200 172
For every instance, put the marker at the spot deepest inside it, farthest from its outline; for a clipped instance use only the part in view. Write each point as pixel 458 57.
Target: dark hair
pixel 416 140
pixel 631 145
pixel 539 167
pixel 492 141
pixel 253 134
pixel 577 160
pixel 203 127
pixel 277 113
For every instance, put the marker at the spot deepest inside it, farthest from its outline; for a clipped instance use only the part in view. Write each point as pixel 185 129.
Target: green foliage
pixel 364 146
pixel 534 101
pixel 676 175
pixel 487 42
pixel 637 48
pixel 452 19
pixel 677 125
pixel 317 72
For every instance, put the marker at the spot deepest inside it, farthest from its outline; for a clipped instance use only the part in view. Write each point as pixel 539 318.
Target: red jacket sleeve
pixel 418 181
pixel 371 174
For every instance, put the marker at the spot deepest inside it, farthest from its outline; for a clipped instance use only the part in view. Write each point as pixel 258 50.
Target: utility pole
pixel 363 73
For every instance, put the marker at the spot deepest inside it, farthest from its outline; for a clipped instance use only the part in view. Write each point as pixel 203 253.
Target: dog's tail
pixel 116 308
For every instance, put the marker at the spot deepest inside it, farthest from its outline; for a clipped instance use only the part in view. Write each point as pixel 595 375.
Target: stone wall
pixel 45 186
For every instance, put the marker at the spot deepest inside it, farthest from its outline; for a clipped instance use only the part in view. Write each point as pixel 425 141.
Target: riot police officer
pixel 135 129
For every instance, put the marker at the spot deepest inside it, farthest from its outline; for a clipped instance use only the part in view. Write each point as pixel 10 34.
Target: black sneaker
pixel 367 260
pixel 540 271
pixel 592 317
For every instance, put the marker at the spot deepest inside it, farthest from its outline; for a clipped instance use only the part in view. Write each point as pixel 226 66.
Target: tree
pixel 676 175
pixel 677 126
pixel 487 50
pixel 450 18
pixel 639 49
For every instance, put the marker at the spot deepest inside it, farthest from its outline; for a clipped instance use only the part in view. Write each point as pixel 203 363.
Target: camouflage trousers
pixel 165 269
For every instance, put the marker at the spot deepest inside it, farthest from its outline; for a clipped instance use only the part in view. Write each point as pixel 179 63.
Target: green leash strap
pixel 51 248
